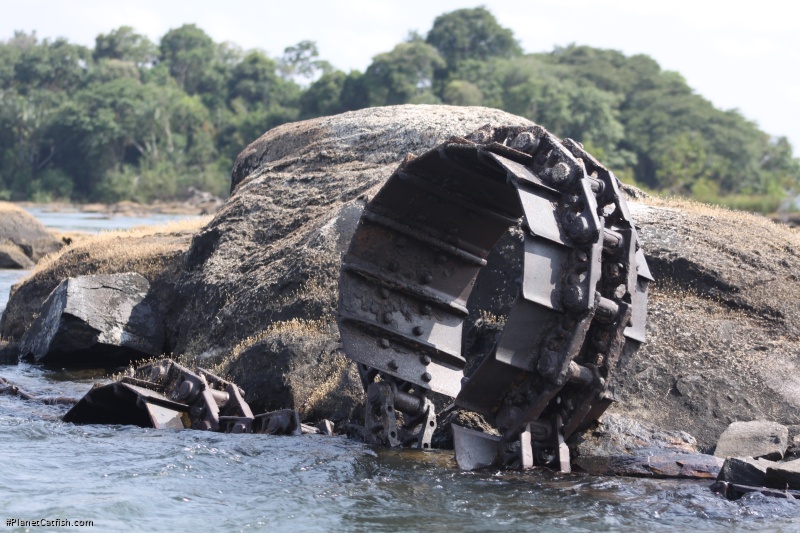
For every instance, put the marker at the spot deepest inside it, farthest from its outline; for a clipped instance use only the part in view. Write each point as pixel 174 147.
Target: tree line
pixel 132 119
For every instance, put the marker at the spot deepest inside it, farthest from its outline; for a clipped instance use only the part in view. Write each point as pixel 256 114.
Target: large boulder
pixel 723 321
pixel 272 253
pixel 13 257
pixel 23 239
pixel 104 321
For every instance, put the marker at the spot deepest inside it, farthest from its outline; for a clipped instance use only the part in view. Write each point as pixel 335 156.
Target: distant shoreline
pixel 123 208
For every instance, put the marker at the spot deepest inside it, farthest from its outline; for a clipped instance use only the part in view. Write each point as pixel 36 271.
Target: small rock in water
pixel 758 439
pixel 745 471
pixel 784 475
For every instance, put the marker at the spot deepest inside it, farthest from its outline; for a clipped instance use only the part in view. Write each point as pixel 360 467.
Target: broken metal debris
pixel 411 266
pixel 165 394
pixel 733 491
pixel 7 387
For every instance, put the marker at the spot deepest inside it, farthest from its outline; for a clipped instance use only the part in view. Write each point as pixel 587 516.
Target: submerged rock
pixel 757 439
pixel 103 320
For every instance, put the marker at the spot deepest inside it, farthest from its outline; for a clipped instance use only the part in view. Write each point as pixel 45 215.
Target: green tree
pixel 301 61
pixel 471 34
pixel 188 52
pixel 404 75
pixel 124 44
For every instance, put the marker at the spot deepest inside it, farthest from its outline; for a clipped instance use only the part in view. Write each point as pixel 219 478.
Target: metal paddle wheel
pixel 411 266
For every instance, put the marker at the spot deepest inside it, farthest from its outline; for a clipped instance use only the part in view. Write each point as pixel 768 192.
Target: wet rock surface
pixel 745 471
pixel 627 447
pixel 103 321
pixel 758 439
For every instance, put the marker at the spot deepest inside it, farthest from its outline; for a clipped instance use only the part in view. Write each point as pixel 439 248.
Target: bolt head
pixel 426 377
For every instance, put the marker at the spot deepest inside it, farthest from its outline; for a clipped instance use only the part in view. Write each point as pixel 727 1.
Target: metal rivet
pixel 560 172
pixel 426 309
pixel 384 292
pixel 426 279
pixel 393 364
pixel 418 330
pixel 387 318
pixel 384 343
pixel 426 377
pixel 425 359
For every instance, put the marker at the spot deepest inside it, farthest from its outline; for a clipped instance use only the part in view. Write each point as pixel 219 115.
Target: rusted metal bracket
pixel 395 417
pixel 165 394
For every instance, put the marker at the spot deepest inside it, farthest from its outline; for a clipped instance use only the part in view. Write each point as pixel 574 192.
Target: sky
pixel 741 55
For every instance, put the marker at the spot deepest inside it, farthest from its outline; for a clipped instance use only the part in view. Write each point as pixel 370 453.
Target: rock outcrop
pixel 255 294
pixel 23 239
pixel 272 253
pixel 104 321
pixel 723 321
pixel 155 253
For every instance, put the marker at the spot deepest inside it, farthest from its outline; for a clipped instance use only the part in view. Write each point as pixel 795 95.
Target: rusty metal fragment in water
pixel 165 394
pixel 411 266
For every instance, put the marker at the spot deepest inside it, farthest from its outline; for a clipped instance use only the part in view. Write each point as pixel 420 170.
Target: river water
pixel 132 479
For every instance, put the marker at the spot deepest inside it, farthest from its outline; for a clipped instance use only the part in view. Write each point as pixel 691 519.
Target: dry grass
pixel 7 208
pixel 780 231
pixel 115 251
pixel 288 330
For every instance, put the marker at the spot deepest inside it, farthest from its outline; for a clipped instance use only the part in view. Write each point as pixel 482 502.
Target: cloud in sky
pixel 737 54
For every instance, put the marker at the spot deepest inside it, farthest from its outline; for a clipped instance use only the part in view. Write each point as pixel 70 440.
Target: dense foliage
pixel 132 119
